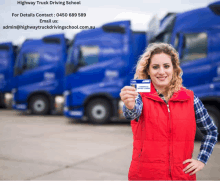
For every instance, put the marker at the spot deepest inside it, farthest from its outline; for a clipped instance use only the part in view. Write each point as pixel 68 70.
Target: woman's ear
pixel 148 76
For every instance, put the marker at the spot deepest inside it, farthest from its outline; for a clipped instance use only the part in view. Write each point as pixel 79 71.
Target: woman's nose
pixel 161 70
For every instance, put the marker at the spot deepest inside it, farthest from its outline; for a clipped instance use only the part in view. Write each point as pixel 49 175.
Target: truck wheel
pixel 2 103
pixel 215 116
pixel 98 111
pixel 39 105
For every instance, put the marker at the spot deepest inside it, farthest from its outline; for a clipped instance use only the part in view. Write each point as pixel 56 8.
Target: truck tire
pixel 98 111
pixel 215 116
pixel 39 105
pixel 2 103
pixel 199 135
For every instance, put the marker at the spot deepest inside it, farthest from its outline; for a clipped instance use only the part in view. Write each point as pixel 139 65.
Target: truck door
pixel 4 62
pixel 29 64
pixel 195 59
pixel 102 55
pixel 38 62
pixel 6 66
pixel 88 69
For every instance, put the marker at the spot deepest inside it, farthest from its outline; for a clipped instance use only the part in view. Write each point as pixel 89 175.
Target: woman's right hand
pixel 128 95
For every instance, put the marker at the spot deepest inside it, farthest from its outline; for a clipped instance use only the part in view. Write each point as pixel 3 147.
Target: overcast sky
pixel 98 12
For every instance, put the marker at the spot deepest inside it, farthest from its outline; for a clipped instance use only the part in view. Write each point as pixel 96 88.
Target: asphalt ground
pixel 56 148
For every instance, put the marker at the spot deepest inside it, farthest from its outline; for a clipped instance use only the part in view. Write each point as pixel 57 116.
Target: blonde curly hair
pixel 142 67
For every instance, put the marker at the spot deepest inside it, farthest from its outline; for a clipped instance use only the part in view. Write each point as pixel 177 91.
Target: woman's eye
pixel 155 67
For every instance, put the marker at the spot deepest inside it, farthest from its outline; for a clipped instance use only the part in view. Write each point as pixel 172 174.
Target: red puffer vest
pixel 163 137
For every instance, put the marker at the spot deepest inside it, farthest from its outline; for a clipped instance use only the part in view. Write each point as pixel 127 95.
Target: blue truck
pixel 7 59
pixel 39 74
pixel 100 62
pixel 196 36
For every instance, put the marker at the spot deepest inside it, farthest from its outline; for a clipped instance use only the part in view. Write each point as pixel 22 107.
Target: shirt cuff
pixel 131 110
pixel 203 158
pixel 129 114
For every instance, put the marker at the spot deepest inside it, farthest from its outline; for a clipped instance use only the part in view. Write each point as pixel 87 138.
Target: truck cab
pixel 7 60
pixel 196 36
pixel 100 62
pixel 39 74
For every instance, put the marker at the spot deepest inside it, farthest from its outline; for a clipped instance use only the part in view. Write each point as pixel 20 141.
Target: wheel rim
pixel 98 111
pixel 213 117
pixel 39 105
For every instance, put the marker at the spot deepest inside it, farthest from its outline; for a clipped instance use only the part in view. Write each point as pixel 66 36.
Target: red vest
pixel 163 137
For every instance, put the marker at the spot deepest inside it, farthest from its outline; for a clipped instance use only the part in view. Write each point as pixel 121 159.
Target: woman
pixel 164 120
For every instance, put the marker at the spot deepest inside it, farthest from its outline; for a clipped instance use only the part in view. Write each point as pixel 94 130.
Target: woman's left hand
pixel 194 166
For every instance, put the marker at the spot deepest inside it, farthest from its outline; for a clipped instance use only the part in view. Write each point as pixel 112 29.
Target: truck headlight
pixel 66 93
pixel 14 90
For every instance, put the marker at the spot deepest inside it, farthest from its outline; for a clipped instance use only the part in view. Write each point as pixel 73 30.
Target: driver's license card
pixel 141 85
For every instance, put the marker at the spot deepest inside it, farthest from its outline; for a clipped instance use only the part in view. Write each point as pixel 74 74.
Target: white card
pixel 141 85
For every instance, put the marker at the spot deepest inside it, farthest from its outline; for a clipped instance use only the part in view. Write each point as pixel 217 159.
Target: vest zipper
pixel 139 161
pixel 170 135
pixel 168 109
pixel 140 154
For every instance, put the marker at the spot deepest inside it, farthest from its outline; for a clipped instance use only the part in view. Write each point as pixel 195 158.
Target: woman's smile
pixel 161 78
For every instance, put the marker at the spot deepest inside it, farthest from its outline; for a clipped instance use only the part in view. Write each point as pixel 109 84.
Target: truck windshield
pixel 163 37
pixel 163 32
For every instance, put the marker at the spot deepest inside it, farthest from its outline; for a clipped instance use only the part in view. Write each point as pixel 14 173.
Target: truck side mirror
pixel 24 67
pixel 17 71
pixel 76 57
pixel 72 64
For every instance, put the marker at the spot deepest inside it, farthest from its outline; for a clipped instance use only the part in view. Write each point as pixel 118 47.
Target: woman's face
pixel 161 70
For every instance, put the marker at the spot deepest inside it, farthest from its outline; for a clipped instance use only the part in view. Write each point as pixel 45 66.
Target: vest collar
pixel 180 95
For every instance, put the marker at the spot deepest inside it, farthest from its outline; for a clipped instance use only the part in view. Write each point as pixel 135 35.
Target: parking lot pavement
pixel 55 148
